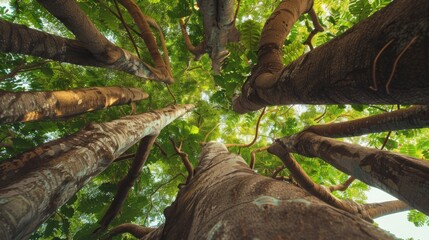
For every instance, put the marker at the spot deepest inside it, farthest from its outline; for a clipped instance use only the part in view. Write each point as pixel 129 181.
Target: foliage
pixel 212 119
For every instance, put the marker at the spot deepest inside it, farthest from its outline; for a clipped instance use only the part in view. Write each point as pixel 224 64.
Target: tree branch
pixel 253 156
pixel 127 182
pixel 133 229
pixel 375 210
pixel 343 186
pixel 196 51
pixel 184 158
pixel 23 68
pixel 256 134
pixel 317 27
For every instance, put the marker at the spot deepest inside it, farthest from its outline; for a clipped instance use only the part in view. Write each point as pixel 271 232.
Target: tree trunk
pixel 36 183
pixel 15 38
pixel 32 106
pixel 353 68
pixel 219 29
pixel 227 200
pixel 404 177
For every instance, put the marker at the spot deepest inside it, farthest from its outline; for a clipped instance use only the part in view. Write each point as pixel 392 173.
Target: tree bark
pixel 227 200
pixel 404 177
pixel 32 106
pixel 410 118
pixel 344 70
pixel 36 183
pixel 219 29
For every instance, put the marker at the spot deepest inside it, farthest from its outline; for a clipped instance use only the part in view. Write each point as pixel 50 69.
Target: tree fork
pixel 332 76
pixel 33 106
pixel 36 183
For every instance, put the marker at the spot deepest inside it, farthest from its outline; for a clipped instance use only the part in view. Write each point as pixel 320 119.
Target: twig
pixel 207 135
pixel 374 66
pixel 317 28
pixel 121 18
pixel 342 186
pixel 156 190
pixel 236 10
pixel 319 118
pixel 278 170
pixel 196 51
pixel 253 156
pixel 124 157
pixel 133 229
pixel 23 68
pixel 185 159
pixel 243 145
pixel 163 152
pixel 396 63
pixel 171 93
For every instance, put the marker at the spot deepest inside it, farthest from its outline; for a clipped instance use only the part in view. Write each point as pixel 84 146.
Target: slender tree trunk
pixel 404 177
pixel 353 68
pixel 219 29
pixel 32 106
pixel 227 200
pixel 36 183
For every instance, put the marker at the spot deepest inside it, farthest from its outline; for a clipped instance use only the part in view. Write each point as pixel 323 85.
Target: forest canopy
pixel 208 79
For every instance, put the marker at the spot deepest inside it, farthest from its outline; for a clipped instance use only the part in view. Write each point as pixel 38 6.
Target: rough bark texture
pixel 404 177
pixel 219 29
pixel 227 200
pixel 36 183
pixel 15 38
pixel 341 71
pixel 375 210
pixel 31 106
pixel 410 118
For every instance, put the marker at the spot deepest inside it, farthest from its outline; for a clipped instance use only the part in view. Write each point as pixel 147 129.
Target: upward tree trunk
pixel 353 68
pixel 227 200
pixel 32 106
pixel 36 183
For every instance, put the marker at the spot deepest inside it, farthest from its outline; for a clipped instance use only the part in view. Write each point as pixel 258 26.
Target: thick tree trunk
pixel 15 38
pixel 404 177
pixel 36 183
pixel 353 68
pixel 32 106
pixel 227 200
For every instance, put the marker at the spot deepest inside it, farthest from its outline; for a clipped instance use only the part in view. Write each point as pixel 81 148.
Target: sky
pixel 397 223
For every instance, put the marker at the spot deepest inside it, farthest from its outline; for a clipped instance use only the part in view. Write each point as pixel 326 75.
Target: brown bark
pixel 219 29
pixel 375 210
pixel 185 160
pixel 343 186
pixel 141 21
pixel 15 38
pixel 410 118
pixel 33 106
pixel 404 177
pixel 133 229
pixel 254 139
pixel 227 200
pixel 340 72
pixel 36 183
pixel 196 51
pixel 128 181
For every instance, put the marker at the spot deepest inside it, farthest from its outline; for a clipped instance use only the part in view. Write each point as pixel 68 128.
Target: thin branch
pixel 278 170
pixel 342 186
pixel 253 155
pixel 133 229
pixel 207 135
pixel 396 63
pixel 125 157
pixel 155 191
pixel 196 51
pixel 155 25
pixel 163 152
pixel 243 145
pixel 374 66
pixel 375 210
pixel 236 10
pixel 127 182
pixel 317 28
pixel 185 159
pixel 23 68
pixel 121 18
pixel 315 189
pixel 171 93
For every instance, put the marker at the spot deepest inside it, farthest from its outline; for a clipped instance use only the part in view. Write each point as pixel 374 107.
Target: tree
pixel 137 191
